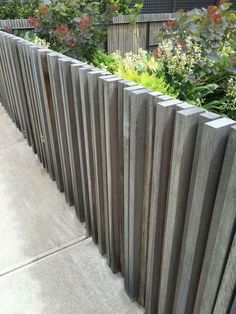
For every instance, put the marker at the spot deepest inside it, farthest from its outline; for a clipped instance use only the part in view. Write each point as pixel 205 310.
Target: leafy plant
pixel 105 61
pixel 18 9
pixel 31 36
pixel 78 27
pixel 140 68
pixel 197 54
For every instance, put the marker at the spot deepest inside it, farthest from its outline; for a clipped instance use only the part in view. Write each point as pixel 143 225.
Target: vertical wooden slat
pixel 49 113
pixel 164 127
pixel 203 182
pixel 71 130
pixel 222 225
pixel 112 158
pixel 226 292
pixel 93 90
pixel 121 85
pixel 52 59
pixel 104 163
pixel 81 143
pixel 83 76
pixel 126 165
pixel 180 173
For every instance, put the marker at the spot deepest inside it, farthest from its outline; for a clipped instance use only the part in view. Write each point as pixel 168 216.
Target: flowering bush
pixel 195 60
pixel 77 27
pixel 197 56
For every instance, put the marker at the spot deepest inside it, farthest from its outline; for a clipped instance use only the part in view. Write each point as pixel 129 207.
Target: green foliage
pixel 105 61
pixel 140 68
pixel 78 27
pixel 195 60
pixel 197 57
pixel 17 9
pixel 31 36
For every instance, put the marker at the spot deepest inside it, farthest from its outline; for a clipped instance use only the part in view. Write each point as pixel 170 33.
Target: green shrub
pixel 31 36
pixel 17 9
pixel 78 27
pixel 197 57
pixel 140 68
pixel 195 60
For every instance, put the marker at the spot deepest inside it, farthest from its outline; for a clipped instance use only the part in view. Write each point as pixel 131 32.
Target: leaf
pixel 225 5
pixel 77 19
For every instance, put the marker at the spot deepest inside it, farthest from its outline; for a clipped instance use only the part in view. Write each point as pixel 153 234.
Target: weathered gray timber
pixel 81 145
pixel 83 76
pixel 49 117
pixel 204 180
pixel 40 118
pixel 71 129
pixel 52 59
pixel 45 139
pixel 121 86
pixel 180 173
pixel 148 163
pixel 29 94
pixel 33 109
pixel 125 36
pixel 14 72
pixel 220 236
pixel 27 98
pixel 104 164
pixel 126 165
pixel 36 99
pixel 112 159
pixel 138 124
pixel 7 79
pixel 15 24
pixel 164 127
pixel 153 177
pixel 94 109
pixel 233 308
pixel 228 283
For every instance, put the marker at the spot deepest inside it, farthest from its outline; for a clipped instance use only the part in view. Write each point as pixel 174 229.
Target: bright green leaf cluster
pixel 18 9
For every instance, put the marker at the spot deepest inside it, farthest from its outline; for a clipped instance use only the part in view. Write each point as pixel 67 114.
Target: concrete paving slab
pixel 9 134
pixel 75 280
pixel 34 215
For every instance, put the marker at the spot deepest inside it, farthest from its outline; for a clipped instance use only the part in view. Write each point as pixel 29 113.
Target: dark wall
pixel 167 6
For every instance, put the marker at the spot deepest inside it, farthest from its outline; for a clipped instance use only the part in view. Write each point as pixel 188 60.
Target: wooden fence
pixel 153 178
pixel 19 24
pixel 125 36
pixel 121 34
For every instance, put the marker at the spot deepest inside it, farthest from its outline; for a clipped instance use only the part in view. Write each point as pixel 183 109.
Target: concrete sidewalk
pixel 46 263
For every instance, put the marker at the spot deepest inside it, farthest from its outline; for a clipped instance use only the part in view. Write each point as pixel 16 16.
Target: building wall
pixel 167 6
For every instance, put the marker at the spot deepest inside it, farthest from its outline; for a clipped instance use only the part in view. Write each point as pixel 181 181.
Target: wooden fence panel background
pixel 152 177
pixel 125 36
pixel 122 34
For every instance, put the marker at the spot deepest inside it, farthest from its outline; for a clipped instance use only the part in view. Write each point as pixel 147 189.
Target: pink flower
pixel 171 24
pixel 44 10
pixel 216 17
pixel 157 53
pixel 7 30
pixel 62 30
pixel 33 21
pixel 212 8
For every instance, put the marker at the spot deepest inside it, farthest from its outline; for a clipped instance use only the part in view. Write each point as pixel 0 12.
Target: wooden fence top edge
pixel 158 17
